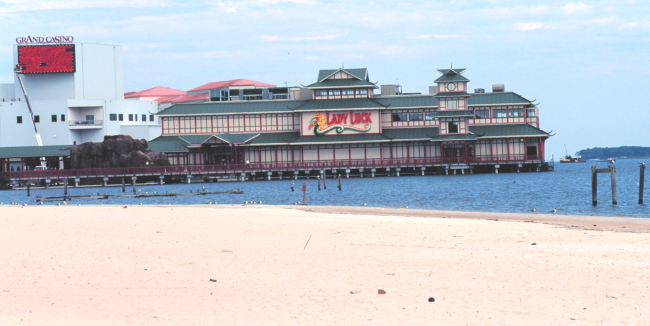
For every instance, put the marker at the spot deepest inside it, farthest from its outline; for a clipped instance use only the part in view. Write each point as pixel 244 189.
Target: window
pixel 430 115
pixel 400 116
pixel 415 116
pixel 335 92
pixel 482 113
pixel 361 91
pixel 130 117
pixel 136 117
pixel 452 105
pixel 19 119
pixel 144 118
pixel 90 117
pixel 37 119
pixel 113 117
pixel 120 117
pixel 498 113
pixel 62 117
pixel 54 118
pixel 348 92
pixel 530 113
pixel 516 113
pixel 321 93
pixel 452 127
pixel 151 117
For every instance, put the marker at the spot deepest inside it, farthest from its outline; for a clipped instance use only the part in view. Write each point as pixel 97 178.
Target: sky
pixel 586 63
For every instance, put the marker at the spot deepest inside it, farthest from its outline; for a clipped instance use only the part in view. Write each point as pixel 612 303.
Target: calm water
pixel 568 189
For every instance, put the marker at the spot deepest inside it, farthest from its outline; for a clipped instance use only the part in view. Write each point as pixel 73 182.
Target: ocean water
pixel 567 189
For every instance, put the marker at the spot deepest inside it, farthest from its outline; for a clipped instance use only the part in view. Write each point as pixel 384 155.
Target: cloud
pixel 528 26
pixel 21 5
pixel 434 36
pixel 571 8
pixel 276 38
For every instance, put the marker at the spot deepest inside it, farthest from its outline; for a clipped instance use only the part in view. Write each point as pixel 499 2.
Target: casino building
pixel 338 125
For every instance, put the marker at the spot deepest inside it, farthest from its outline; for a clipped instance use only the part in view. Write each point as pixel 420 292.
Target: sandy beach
pixel 273 265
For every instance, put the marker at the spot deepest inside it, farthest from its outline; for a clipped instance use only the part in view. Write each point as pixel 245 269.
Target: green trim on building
pixel 411 133
pixel 454 137
pixel 227 108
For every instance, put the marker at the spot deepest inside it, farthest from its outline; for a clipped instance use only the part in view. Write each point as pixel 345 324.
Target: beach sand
pixel 273 265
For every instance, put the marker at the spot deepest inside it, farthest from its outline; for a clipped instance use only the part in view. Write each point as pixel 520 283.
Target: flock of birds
pixel 553 211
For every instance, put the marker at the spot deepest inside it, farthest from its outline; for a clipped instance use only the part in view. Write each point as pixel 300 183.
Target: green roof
pixel 361 73
pixel 411 133
pixel 449 94
pixel 450 78
pixel 370 103
pixel 354 138
pixel 274 138
pixel 167 146
pixel 35 151
pixel 454 137
pixel 507 130
pixel 342 83
pixel 447 114
pixel 234 107
pixel 497 98
pixel 448 71
pixel 187 140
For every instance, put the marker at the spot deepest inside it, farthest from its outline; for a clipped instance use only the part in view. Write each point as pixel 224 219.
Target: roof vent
pixel 498 88
pixel 479 90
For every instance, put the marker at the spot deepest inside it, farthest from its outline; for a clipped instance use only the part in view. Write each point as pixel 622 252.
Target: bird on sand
pixel 125 207
pixel 553 211
pixel 364 204
pixel 534 210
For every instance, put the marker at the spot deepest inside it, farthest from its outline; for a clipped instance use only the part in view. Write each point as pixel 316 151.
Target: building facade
pixel 76 92
pixel 343 126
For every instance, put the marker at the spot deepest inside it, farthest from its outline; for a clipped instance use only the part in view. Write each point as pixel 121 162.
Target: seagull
pixel 534 210
pixel 125 207
pixel 553 211
pixel 78 204
pixel 40 203
pixel 58 204
pixel 64 203
pixel 260 202
pixel 140 203
pixel 364 204
pixel 246 202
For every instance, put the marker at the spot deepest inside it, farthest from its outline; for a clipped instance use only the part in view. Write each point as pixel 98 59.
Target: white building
pixel 73 106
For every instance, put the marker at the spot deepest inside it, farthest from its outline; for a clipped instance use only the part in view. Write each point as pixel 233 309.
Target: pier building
pixel 343 127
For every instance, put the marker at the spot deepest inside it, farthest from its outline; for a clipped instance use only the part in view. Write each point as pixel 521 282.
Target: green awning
pixel 507 130
pixel 35 151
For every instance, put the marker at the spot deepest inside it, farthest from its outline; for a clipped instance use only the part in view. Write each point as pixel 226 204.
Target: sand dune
pixel 148 265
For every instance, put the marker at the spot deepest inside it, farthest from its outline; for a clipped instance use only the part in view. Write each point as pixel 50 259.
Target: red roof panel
pixel 228 83
pixel 184 98
pixel 158 91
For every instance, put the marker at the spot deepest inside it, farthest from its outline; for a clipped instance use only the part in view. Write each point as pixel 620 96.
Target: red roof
pixel 228 83
pixel 184 98
pixel 158 91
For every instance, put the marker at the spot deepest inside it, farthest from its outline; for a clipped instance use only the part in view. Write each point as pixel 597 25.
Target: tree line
pixel 617 152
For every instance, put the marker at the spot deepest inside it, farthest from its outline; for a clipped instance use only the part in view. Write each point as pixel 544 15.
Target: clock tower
pixel 452 101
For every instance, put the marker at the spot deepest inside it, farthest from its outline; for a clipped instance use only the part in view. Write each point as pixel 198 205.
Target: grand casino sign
pixel 339 123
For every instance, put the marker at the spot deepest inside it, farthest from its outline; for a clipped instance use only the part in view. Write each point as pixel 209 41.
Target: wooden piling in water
pixel 28 186
pixel 339 182
pixel 612 173
pixel 65 188
pixel 318 177
pixel 123 185
pixel 324 179
pixel 304 193
pixel 133 181
pixel 594 186
pixel 641 178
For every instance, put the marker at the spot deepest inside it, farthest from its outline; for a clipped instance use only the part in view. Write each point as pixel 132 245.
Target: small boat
pixel 569 159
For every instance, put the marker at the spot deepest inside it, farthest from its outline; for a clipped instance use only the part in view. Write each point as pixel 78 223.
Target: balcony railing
pixel 231 168
pixel 86 123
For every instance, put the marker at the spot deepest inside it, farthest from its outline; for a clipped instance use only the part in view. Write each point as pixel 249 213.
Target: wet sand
pixel 153 265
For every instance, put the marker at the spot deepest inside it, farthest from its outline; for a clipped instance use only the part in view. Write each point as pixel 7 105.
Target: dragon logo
pixel 321 127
